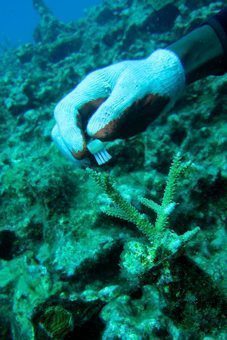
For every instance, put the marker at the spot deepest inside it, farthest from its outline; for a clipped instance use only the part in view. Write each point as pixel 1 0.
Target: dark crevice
pixel 8 245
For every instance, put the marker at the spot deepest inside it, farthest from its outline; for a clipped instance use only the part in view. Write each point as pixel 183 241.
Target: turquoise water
pixel 18 19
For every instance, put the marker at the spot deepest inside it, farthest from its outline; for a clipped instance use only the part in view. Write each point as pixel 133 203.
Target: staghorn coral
pixel 163 242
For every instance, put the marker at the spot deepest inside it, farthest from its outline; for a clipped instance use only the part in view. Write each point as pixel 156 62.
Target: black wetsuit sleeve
pixel 219 24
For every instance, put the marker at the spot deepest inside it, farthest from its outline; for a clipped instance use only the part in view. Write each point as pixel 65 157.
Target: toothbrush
pixel 98 150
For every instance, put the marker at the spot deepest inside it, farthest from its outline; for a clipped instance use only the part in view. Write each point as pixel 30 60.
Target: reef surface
pixel 66 269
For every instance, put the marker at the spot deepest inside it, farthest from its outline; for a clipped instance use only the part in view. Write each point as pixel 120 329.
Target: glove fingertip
pixel 69 153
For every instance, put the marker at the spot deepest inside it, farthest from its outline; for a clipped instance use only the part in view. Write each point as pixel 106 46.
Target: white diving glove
pixel 114 99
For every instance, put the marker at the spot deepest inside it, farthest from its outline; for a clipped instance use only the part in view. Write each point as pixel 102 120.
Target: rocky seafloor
pixel 65 267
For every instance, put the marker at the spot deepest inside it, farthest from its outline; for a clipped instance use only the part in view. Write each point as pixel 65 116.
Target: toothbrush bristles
pixel 102 157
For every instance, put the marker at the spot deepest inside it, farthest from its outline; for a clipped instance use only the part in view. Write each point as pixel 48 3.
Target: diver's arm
pixel 204 51
pixel 126 96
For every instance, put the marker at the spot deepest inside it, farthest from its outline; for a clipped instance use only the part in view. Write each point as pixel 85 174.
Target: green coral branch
pixel 175 171
pixel 167 205
pixel 115 212
pixel 151 205
pixel 159 235
pixel 124 209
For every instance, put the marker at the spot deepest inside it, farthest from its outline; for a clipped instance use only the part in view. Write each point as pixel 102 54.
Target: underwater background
pixel 69 267
pixel 18 19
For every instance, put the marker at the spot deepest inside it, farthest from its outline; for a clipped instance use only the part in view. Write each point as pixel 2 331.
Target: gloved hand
pixel 114 100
